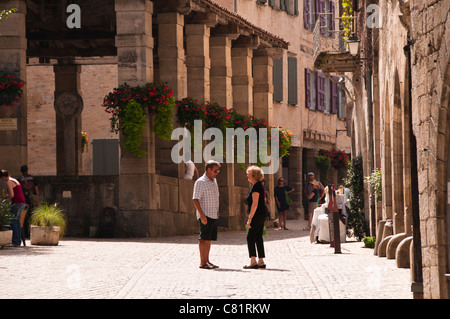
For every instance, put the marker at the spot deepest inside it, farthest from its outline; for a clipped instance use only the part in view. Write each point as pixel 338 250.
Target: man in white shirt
pixel 189 169
pixel 206 202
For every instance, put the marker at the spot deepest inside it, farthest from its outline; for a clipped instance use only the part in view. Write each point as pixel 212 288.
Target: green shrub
pixel 369 242
pixel 48 216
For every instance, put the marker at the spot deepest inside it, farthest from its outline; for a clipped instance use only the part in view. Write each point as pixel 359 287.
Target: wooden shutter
pixel 320 91
pixel 307 88
pixel 306 14
pixel 322 18
pixel 334 95
pixel 332 19
pixel 278 80
pixel 292 81
pixel 316 10
pixel 105 156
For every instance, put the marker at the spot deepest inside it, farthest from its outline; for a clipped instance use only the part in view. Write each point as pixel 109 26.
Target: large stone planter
pixel 5 238
pixel 40 235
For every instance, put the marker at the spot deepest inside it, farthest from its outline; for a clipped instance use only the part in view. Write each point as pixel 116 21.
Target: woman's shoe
pixel 254 266
pixel 263 266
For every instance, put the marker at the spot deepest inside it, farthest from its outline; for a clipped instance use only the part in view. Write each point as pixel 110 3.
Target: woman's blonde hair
pixel 256 172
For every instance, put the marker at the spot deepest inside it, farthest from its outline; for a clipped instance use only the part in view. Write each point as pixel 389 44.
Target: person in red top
pixel 18 203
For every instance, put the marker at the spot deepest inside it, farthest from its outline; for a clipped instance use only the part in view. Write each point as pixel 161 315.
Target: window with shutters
pixel 278 80
pixel 292 81
pixel 311 10
pixel 290 6
pixel 320 91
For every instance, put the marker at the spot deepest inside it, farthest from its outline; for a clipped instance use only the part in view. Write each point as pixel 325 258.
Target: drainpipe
pixel 417 284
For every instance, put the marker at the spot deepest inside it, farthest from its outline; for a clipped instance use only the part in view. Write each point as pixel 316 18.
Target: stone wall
pixel 96 82
pixel 430 31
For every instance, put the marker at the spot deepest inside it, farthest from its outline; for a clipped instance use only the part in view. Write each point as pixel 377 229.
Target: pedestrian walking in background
pixel 206 202
pixel 257 211
pixel 15 193
pixel 189 170
pixel 31 192
pixel 281 193
pixel 314 191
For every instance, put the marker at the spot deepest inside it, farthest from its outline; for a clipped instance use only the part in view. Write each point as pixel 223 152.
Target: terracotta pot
pixel 5 238
pixel 41 235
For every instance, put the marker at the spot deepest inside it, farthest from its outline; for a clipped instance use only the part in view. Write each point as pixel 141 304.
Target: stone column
pixel 171 53
pixel 13 46
pixel 134 41
pixel 221 71
pixel 139 191
pixel 68 106
pixel 263 105
pixel 172 69
pixel 241 58
pixel 198 61
pixel 263 85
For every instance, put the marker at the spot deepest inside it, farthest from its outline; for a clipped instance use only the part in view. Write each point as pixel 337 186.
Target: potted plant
pixel 5 218
pixel 48 224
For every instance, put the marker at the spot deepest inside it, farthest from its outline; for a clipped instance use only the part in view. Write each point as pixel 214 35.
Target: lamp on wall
pixel 353 45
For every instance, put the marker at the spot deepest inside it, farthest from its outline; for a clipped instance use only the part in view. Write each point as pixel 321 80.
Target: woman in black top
pixel 257 211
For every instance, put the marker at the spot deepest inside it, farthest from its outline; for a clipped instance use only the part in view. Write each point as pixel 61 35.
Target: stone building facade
pixel 399 106
pixel 249 55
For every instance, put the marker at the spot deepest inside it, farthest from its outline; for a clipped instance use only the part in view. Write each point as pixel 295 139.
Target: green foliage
pixel 5 211
pixel 214 115
pixel 5 13
pixel 375 183
pixel 323 162
pixel 155 97
pixel 162 124
pixel 347 22
pixel 355 181
pixel 369 242
pixel 48 216
pixel 133 124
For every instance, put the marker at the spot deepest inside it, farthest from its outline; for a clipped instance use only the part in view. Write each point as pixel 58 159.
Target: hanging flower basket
pixel 10 89
pixel 338 158
pixel 214 115
pixel 127 107
pixel 84 142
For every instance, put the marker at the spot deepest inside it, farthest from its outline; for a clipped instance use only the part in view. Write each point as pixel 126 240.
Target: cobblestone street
pixel 168 268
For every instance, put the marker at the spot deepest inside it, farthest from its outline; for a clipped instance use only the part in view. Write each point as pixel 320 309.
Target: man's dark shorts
pixel 208 231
